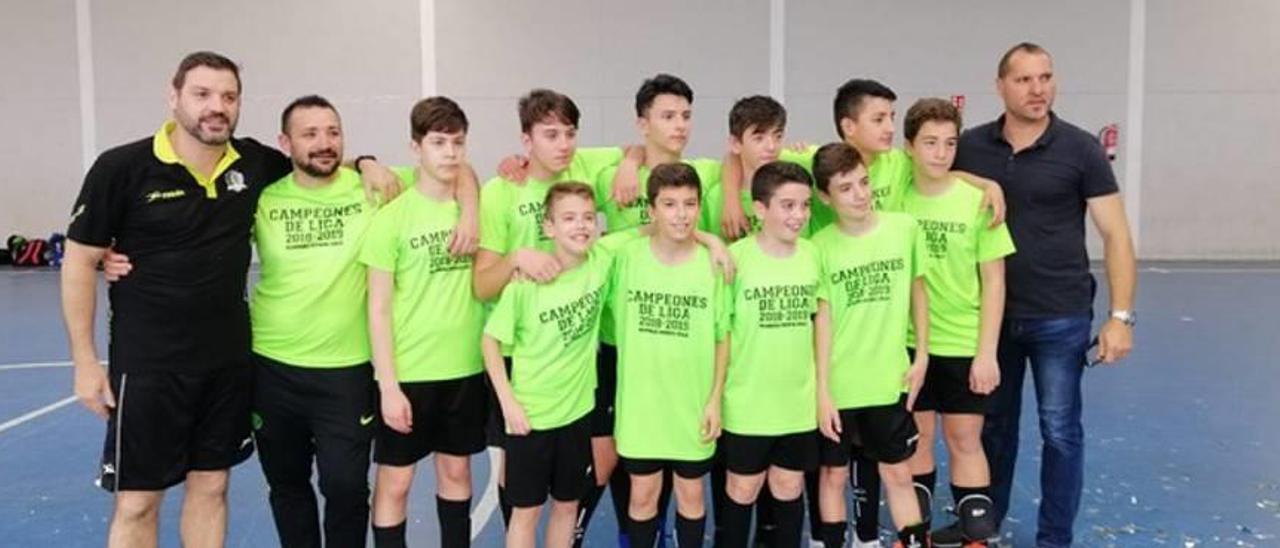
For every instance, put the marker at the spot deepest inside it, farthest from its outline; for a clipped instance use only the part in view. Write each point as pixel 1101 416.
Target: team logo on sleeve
pixel 235 181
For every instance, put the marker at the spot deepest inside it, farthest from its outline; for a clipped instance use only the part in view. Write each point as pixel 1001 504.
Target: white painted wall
pixel 1208 86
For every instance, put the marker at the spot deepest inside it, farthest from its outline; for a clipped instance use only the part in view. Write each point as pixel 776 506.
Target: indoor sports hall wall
pixel 1191 84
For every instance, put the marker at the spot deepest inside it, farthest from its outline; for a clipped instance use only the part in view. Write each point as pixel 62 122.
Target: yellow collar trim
pixel 162 147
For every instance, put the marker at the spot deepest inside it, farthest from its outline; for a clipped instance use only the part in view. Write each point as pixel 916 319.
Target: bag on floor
pixel 24 252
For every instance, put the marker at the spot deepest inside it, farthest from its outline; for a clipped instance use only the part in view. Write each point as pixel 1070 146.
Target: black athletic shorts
pixel 166 424
pixel 747 455
pixel 884 433
pixel 687 469
pixel 946 387
pixel 325 414
pixel 448 417
pixel 555 461
pixel 606 391
pixel 495 427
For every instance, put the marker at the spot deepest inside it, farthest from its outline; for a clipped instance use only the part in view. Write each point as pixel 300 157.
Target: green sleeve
pixel 709 176
pixel 811 252
pixel 505 314
pixel 919 249
pixel 610 243
pixel 735 252
pixel 805 158
pixel 709 171
pixel 595 159
pixel 379 248
pixel 823 291
pixel 603 185
pixel 495 232
pixel 724 311
pixel 993 243
pixel 712 210
pixel 406 174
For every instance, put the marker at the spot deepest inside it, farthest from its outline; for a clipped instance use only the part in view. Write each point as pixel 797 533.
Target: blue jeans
pixel 1055 348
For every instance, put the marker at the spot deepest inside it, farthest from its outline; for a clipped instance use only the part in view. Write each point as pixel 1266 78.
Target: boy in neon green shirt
pixel 769 401
pixel 664 116
pixel 548 394
pixel 670 311
pixel 511 212
pixel 756 128
pixel 871 290
pixel 511 236
pixel 423 326
pixel 664 113
pixel 864 119
pixel 966 294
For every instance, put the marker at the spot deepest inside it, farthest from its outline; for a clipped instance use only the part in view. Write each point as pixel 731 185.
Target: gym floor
pixel 1181 440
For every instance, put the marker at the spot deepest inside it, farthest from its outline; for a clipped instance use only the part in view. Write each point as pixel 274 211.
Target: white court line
pixel 33 365
pixel 1205 270
pixel 489 500
pixel 480 516
pixel 38 412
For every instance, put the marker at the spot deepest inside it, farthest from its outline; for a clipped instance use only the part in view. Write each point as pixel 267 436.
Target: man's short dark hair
pixel 831 160
pixel 1024 47
pixel 209 59
pixel 758 111
pixel 851 96
pixel 930 109
pixel 436 114
pixel 771 176
pixel 672 175
pixel 662 84
pixel 306 101
pixel 541 104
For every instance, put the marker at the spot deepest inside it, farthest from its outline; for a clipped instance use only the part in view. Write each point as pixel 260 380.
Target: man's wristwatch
pixel 1127 317
pixel 356 163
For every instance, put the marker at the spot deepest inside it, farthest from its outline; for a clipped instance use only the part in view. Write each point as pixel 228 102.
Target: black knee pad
pixel 977 517
pixel 924 496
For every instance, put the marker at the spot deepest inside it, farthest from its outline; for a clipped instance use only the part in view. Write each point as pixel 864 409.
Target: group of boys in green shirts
pixel 783 355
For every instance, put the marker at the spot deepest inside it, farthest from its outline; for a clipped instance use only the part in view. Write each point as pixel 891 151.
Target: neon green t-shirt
pixel 669 319
pixel 511 214
pixel 636 214
pixel 611 243
pixel 867 281
pixel 713 209
pixel 436 322
pixel 769 388
pixel 889 175
pixel 958 241
pixel 553 332
pixel 309 307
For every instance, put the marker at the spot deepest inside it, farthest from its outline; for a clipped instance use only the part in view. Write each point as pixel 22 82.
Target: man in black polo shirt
pixel 1052 173
pixel 180 205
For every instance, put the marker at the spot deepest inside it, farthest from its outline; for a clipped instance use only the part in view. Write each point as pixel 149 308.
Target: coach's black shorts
pixel 747 455
pixel 946 388
pixel 687 469
pixel 166 424
pixel 554 461
pixel 495 427
pixel 606 391
pixel 448 417
pixel 884 433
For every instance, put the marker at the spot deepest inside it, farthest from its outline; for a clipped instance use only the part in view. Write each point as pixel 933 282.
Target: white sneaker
pixel 866 543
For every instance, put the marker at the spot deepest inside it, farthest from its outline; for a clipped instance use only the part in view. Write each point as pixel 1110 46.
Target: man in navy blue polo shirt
pixel 1052 173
